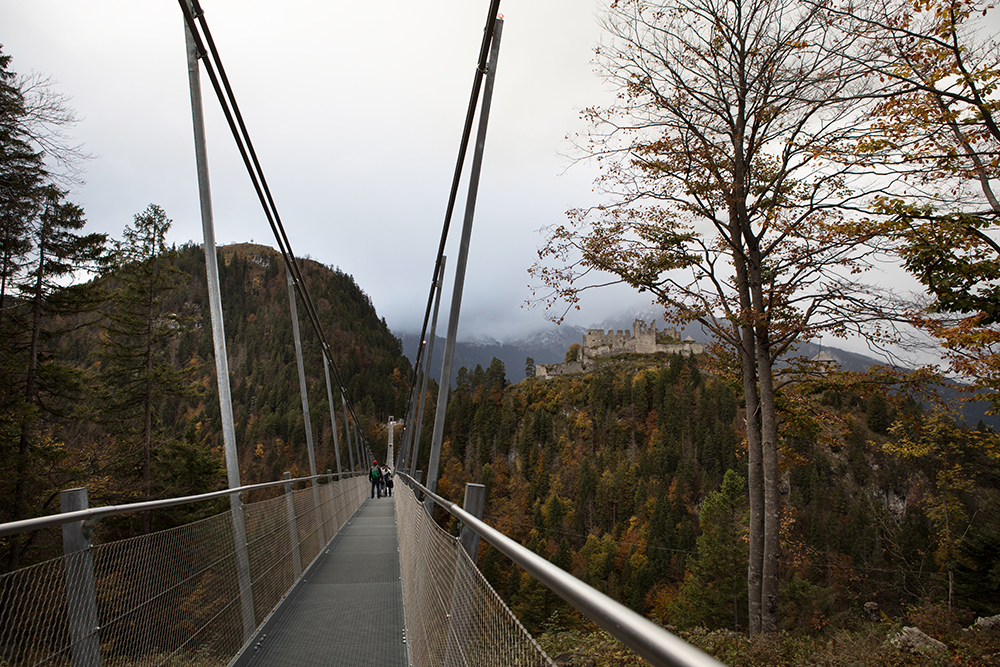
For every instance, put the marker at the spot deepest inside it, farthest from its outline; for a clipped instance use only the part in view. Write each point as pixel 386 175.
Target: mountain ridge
pixel 549 346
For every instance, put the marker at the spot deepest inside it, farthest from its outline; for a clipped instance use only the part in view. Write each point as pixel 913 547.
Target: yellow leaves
pixel 945 447
pixel 794 551
pixel 937 437
pixel 661 598
pixel 583 425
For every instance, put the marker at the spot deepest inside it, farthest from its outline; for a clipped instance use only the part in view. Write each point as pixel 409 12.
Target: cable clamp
pixel 87 527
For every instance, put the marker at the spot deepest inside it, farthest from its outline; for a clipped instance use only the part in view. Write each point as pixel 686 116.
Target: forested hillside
pixel 92 433
pixel 633 478
pixel 266 403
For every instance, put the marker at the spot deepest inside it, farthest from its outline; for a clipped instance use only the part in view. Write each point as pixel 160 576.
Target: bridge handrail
pixel 652 642
pixel 92 515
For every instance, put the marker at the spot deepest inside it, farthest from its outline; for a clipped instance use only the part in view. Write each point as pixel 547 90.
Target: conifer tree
pixel 715 589
pixel 21 174
pixel 137 370
pixel 41 251
pixel 39 391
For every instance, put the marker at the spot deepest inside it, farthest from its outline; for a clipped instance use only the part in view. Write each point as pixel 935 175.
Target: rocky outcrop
pixel 915 641
pixel 988 623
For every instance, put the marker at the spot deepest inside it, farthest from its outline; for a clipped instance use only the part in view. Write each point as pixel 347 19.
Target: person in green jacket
pixel 375 475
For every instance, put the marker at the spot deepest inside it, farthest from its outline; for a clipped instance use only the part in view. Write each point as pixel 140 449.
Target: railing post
pixel 293 526
pixel 332 510
pixel 243 578
pixel 81 601
pixel 461 591
pixel 418 476
pixel 474 502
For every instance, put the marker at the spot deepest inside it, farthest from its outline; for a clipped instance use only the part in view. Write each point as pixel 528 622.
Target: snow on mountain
pixel 557 335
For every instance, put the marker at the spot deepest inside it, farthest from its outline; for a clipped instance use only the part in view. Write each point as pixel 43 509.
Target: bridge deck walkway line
pixel 348 607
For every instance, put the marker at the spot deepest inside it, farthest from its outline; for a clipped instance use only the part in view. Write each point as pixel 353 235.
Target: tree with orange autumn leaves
pixel 723 202
pixel 936 134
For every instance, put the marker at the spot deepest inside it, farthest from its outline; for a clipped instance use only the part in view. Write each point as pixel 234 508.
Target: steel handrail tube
pixel 649 640
pixel 95 514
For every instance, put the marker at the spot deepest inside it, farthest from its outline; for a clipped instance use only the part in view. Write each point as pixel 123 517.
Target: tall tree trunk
pixel 767 488
pixel 768 423
pixel 21 476
pixel 755 480
pixel 769 465
pixel 743 329
pixel 147 426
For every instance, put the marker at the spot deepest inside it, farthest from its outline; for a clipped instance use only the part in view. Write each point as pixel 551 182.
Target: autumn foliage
pixel 630 477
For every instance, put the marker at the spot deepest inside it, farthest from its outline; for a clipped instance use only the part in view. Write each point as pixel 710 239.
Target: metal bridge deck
pixel 348 607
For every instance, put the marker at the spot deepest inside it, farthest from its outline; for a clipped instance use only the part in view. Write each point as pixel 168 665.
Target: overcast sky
pixel 356 111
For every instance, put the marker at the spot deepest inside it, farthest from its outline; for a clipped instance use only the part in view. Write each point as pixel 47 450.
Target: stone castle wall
pixel 641 340
pixel 597 344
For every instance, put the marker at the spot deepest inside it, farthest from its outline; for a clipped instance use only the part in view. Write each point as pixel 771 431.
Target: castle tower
pixel 644 339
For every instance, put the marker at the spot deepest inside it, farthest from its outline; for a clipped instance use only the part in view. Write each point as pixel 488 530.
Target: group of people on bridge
pixel 381 479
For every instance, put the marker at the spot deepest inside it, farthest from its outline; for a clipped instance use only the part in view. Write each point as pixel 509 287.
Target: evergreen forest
pixel 92 433
pixel 632 478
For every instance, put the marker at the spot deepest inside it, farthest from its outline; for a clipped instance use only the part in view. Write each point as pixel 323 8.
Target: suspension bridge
pixel 317 572
pixel 389 587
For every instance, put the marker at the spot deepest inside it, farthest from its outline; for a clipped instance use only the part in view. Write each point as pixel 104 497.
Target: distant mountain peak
pixel 484 341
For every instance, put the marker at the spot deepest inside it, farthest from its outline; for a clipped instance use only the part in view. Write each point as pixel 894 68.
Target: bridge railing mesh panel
pixel 171 597
pixel 453 616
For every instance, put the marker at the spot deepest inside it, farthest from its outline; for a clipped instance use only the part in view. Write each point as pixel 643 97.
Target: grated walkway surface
pixel 348 608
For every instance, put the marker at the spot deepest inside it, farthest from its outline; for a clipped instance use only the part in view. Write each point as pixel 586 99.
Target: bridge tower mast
pixel 219 334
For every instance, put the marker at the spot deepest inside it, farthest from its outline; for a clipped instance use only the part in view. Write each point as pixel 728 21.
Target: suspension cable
pixel 470 114
pixel 237 126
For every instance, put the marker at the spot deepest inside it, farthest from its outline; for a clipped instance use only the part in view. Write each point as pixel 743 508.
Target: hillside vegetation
pixel 632 478
pixel 85 442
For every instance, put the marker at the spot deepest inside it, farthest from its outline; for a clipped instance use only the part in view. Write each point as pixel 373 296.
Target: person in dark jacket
pixel 375 475
pixel 387 478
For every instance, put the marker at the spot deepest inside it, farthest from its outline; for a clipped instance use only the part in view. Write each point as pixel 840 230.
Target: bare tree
pixel 724 204
pixel 938 132
pixel 47 117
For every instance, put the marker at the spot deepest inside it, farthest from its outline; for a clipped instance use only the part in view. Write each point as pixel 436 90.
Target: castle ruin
pixel 641 340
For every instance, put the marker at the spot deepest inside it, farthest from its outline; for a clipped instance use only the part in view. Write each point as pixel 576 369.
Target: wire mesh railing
pixel 170 597
pixel 453 616
pixel 648 640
